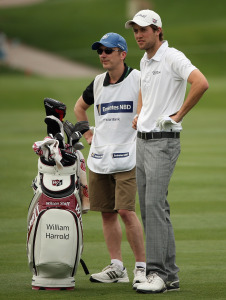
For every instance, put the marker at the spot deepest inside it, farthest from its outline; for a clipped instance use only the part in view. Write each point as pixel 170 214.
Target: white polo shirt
pixel 163 86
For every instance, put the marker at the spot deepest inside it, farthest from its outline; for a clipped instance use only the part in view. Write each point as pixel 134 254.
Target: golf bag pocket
pixel 55 183
pixel 55 247
pixel 57 186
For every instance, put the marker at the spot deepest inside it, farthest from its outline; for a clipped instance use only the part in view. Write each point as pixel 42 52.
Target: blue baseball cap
pixel 111 40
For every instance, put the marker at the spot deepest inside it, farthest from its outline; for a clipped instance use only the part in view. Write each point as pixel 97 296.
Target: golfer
pixel 111 159
pixel 165 72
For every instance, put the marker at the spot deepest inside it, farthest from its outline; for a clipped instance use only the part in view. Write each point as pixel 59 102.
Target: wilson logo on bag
pixel 57 182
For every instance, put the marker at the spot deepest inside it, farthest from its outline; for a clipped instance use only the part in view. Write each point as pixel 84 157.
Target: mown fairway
pixel 197 196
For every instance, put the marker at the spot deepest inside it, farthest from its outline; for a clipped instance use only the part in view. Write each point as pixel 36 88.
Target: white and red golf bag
pixel 55 228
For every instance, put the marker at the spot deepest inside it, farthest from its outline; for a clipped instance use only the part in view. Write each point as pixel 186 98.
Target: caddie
pixel 112 155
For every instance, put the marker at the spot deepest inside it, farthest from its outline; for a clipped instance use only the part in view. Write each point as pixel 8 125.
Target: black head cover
pixel 55 108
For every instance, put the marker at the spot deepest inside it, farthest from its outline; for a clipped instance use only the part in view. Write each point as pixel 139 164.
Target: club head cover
pixel 55 108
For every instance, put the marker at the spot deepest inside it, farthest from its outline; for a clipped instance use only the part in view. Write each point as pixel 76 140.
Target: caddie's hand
pixel 88 135
pixel 165 122
pixel 134 122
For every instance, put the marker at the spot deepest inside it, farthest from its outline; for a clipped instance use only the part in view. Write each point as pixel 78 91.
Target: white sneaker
pixel 154 284
pixel 139 276
pixel 110 274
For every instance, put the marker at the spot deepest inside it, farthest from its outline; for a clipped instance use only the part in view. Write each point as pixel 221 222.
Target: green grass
pixel 69 28
pixel 197 195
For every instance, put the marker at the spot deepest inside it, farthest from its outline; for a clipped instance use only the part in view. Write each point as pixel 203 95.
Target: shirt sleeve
pixel 181 66
pixel 88 94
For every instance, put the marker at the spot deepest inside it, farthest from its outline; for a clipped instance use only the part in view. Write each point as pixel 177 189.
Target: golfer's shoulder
pixel 173 54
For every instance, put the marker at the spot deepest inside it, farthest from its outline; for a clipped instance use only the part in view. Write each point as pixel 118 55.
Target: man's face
pixel 110 61
pixel 145 37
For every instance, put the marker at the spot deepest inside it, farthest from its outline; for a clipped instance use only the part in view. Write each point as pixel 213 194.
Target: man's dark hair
pixel 155 28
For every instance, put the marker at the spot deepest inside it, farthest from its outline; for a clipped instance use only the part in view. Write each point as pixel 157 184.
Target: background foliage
pixel 69 27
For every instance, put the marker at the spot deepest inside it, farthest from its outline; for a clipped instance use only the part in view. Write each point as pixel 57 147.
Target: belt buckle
pixel 148 135
pixel 143 135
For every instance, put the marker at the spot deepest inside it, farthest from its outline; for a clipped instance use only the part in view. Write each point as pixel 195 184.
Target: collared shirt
pixel 88 93
pixel 163 86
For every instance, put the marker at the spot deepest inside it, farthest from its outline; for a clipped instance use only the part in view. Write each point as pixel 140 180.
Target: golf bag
pixel 54 221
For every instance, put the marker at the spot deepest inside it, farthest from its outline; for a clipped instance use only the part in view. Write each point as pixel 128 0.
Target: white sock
pixel 140 264
pixel 118 262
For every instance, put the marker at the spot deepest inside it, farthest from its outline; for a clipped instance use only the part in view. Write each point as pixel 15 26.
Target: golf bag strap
pixel 84 266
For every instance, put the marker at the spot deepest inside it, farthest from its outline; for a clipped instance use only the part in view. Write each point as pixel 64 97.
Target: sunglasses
pixel 106 51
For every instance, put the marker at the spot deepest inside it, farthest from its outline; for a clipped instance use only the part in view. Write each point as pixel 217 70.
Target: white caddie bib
pixel 113 147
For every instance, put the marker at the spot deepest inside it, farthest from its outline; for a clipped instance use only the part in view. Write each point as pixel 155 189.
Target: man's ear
pixel 123 54
pixel 159 30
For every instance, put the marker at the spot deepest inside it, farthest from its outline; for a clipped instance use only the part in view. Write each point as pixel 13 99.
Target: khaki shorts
pixel 111 192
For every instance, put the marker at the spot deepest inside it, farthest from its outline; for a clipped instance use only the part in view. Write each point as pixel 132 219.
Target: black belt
pixel 158 135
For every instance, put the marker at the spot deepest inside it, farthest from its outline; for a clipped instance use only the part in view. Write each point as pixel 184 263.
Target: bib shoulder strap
pixel 98 85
